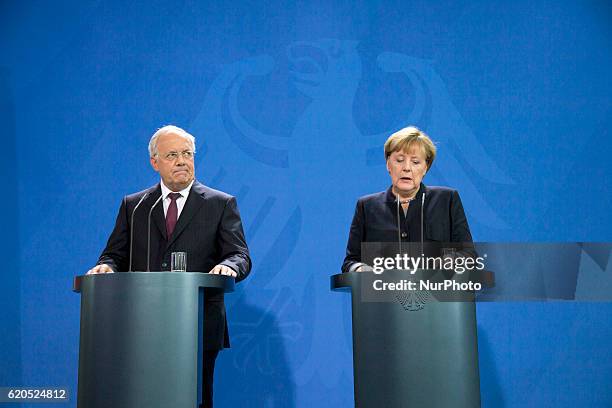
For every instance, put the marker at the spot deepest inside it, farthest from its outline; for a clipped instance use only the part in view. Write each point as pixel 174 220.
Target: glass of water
pixel 449 253
pixel 178 262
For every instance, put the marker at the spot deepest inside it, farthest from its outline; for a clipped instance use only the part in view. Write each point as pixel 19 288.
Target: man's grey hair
pixel 169 129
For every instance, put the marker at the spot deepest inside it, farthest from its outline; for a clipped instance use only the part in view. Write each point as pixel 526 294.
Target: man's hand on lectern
pixel 223 270
pixel 102 268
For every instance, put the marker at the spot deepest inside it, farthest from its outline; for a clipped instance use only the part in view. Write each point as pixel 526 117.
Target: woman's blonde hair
pixel 403 139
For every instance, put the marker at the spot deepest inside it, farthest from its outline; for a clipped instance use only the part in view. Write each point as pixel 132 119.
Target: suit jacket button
pixel 164 265
pixel 404 235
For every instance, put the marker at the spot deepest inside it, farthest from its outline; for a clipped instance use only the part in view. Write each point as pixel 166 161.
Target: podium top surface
pixel 199 279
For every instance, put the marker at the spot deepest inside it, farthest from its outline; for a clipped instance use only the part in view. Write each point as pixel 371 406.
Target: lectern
pixel 413 348
pixel 140 339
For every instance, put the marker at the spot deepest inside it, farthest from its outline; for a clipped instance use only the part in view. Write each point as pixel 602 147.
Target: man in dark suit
pixel 191 218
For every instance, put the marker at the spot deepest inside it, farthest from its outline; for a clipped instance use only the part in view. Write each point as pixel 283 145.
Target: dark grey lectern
pixel 409 348
pixel 140 338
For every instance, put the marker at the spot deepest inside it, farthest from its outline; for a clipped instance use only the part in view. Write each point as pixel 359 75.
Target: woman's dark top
pixel 376 220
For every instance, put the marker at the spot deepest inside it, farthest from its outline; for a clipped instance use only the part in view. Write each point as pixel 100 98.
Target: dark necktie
pixel 172 214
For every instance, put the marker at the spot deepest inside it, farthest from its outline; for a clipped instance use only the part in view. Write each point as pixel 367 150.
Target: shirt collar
pixel 184 192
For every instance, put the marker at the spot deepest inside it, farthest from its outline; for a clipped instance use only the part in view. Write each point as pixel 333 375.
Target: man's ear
pixel 154 164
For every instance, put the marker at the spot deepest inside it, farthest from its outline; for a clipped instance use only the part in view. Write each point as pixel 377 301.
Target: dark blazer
pixel 376 220
pixel 209 230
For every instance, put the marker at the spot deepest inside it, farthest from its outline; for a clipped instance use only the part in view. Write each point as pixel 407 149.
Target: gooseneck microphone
pixel 422 222
pixel 399 229
pixel 132 230
pixel 399 234
pixel 149 233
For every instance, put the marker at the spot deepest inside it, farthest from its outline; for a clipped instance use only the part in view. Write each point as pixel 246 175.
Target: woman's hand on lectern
pixel 102 268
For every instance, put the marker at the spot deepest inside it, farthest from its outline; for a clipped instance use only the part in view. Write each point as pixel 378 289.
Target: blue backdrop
pixel 291 103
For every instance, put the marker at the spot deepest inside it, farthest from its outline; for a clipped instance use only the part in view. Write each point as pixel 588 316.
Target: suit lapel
pixel 157 216
pixel 192 206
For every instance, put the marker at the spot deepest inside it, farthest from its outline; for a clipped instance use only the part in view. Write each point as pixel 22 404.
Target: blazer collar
pixel 390 197
pixel 194 202
pixel 157 215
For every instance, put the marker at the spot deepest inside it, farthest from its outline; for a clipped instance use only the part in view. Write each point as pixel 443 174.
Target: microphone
pixel 149 233
pixel 132 229
pixel 422 222
pixel 399 231
pixel 399 237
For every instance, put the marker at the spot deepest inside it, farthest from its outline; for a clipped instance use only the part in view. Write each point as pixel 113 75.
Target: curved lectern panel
pixel 141 338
